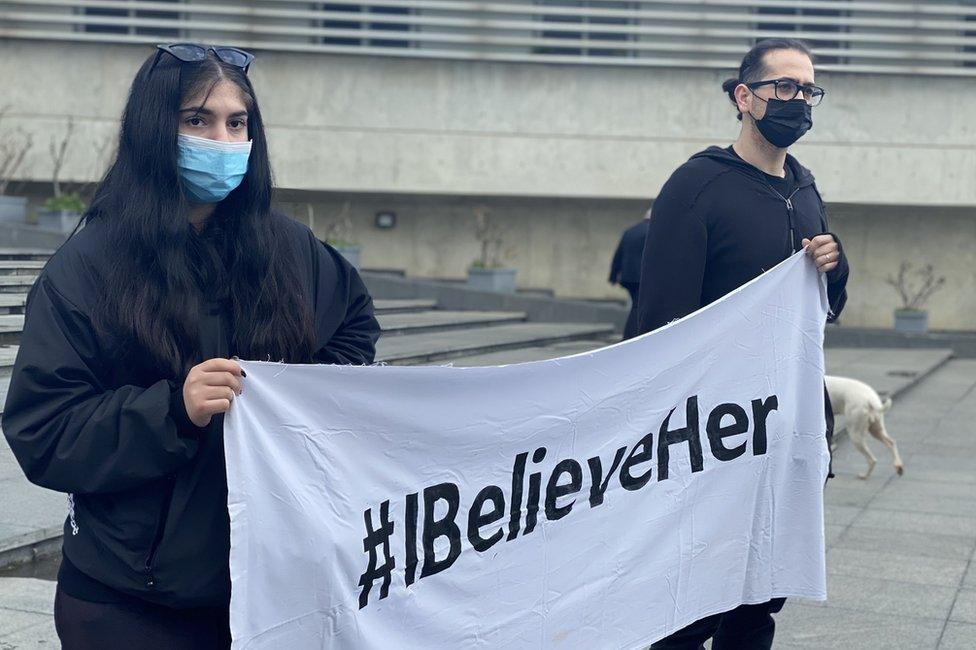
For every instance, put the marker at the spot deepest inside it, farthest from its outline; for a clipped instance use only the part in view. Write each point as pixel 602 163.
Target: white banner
pixel 602 500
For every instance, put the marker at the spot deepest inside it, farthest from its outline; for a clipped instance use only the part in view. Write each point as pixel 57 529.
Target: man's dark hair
pixel 753 66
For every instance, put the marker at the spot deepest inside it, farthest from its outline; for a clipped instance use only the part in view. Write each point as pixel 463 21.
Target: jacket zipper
pixel 790 211
pixel 789 215
pixel 788 200
pixel 158 536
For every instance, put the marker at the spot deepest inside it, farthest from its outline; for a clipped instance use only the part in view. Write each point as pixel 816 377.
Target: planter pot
pixel 351 253
pixel 496 280
pixel 911 322
pixel 58 220
pixel 13 209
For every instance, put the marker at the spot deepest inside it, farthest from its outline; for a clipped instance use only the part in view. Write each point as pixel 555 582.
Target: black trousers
pixel 747 627
pixel 85 625
pixel 630 329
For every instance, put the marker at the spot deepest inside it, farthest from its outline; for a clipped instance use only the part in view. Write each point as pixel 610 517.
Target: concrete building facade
pixel 562 119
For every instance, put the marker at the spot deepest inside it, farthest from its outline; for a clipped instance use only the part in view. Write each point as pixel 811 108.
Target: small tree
pixel 915 287
pixel 14 148
pixel 338 229
pixel 104 153
pixel 491 239
pixel 59 151
pixel 60 200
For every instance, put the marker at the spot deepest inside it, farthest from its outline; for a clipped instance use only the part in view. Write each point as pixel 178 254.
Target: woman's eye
pixel 237 124
pixel 194 121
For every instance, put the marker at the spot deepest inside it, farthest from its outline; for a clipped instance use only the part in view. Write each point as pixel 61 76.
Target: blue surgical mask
pixel 211 169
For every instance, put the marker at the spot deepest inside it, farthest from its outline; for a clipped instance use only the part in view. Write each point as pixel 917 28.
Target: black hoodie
pixel 718 223
pixel 626 266
pixel 148 516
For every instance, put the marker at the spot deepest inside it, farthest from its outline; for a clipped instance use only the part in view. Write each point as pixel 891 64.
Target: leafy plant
pixel 491 240
pixel 68 202
pixel 915 287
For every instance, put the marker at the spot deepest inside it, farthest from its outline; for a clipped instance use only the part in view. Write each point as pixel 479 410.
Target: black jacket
pixel 149 488
pixel 626 265
pixel 717 224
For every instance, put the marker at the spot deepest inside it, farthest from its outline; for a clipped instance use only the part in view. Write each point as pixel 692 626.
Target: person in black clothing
pixel 126 365
pixel 725 217
pixel 626 268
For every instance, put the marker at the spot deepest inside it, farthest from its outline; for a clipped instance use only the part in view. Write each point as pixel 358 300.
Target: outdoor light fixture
pixel 385 220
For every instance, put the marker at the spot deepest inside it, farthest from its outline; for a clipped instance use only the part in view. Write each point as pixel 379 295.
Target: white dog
pixel 864 412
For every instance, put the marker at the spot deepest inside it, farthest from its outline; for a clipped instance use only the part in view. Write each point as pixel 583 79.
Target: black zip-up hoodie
pixel 719 223
pixel 148 488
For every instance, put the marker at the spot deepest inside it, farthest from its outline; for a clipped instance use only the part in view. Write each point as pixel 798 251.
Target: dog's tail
pixel 886 404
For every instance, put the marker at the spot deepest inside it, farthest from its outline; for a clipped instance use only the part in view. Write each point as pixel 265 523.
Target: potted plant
pixel 487 273
pixel 14 147
pixel 61 213
pixel 338 234
pixel 914 288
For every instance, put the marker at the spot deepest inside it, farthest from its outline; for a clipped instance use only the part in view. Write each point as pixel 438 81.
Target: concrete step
pixel 398 324
pixel 23 283
pixel 888 371
pixel 462 282
pixel 527 355
pixel 12 303
pixel 21 267
pixel 11 325
pixel 470 340
pixel 16 283
pixel 41 254
pixel 8 353
pixel 396 317
pixel 403 305
pixel 436 346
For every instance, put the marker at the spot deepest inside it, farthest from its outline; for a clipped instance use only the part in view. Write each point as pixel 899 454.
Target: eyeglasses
pixel 787 89
pixel 194 53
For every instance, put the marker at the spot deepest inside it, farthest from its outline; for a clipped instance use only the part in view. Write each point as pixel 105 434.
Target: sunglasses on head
pixel 194 53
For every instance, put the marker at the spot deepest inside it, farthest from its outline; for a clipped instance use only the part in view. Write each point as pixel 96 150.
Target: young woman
pixel 126 364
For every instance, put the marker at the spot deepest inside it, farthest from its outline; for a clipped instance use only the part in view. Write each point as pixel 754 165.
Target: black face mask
pixel 785 121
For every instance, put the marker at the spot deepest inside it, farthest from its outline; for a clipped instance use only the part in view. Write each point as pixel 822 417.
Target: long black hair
pixel 162 270
pixel 753 66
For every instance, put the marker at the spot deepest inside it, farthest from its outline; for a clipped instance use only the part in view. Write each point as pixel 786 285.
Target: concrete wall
pixel 561 244
pixel 878 238
pixel 566 245
pixel 565 157
pixel 452 127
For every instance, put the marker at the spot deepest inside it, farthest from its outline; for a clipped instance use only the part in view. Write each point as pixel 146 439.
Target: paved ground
pixel 902 571
pixel 900 558
pixel 26 621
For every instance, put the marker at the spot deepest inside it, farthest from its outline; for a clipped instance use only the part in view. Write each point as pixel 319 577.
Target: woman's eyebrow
pixel 200 110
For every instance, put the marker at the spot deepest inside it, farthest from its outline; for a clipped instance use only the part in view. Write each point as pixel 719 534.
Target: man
pixel 725 217
pixel 626 268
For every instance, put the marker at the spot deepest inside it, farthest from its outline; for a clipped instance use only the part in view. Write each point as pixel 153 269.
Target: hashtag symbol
pixel 375 539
